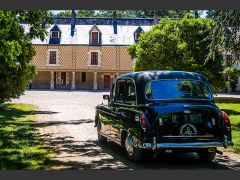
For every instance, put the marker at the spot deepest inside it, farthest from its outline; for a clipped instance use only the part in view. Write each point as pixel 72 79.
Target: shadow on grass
pixel 20 145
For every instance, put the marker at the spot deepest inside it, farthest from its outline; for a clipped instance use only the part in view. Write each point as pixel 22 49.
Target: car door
pixel 117 103
pixel 105 115
pixel 123 107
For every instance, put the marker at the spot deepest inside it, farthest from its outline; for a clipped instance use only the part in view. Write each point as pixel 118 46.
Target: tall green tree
pixel 226 28
pixel 179 45
pixel 17 50
pixel 127 13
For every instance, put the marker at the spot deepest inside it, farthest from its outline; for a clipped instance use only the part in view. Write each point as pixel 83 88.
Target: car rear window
pixel 178 89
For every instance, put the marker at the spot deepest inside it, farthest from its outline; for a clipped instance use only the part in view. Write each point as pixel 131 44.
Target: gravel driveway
pixel 66 122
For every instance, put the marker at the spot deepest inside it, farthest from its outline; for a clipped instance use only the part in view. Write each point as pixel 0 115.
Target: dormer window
pixel 95 37
pixel 136 36
pixel 55 34
pixel 137 33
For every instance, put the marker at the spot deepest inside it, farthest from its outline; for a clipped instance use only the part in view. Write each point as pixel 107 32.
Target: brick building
pixel 85 53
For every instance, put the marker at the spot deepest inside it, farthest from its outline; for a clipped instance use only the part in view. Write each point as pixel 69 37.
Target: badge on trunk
pixel 188 130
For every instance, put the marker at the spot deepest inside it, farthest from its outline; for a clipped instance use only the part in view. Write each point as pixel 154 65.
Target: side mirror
pixel 106 97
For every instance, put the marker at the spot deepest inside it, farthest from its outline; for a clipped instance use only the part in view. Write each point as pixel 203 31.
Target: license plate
pixel 191 118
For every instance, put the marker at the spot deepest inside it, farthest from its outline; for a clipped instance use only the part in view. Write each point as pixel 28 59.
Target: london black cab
pixel 163 111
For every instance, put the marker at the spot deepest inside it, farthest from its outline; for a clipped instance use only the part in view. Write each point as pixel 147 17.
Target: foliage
pixel 126 13
pixel 232 72
pixel 16 50
pixel 233 111
pixel 179 45
pixel 20 145
pixel 228 19
pixel 210 14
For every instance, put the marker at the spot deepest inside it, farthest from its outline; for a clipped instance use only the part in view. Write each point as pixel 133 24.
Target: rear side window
pixel 120 91
pixel 113 91
pixel 130 93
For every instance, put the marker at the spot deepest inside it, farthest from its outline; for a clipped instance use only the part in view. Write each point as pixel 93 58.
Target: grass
pixel 20 144
pixel 233 111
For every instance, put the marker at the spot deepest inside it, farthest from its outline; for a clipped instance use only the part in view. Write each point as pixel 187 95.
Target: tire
pixel 206 156
pixel 134 154
pixel 101 139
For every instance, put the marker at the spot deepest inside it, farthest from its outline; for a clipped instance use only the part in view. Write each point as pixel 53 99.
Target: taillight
pixel 143 121
pixel 225 118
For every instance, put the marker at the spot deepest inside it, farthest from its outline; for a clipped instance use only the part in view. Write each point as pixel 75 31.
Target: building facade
pixel 85 53
pixel 88 53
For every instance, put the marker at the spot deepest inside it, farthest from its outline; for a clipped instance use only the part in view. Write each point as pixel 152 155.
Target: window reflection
pixel 178 89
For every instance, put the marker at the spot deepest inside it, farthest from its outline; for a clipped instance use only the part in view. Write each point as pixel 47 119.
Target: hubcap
pixel 129 145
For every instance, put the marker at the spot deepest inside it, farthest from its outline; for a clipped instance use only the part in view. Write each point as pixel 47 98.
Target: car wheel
pixel 135 154
pixel 101 138
pixel 206 156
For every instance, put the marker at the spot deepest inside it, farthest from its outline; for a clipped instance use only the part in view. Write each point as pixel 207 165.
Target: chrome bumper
pixel 185 145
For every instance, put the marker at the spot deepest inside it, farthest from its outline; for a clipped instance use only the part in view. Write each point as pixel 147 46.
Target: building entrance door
pixel 106 82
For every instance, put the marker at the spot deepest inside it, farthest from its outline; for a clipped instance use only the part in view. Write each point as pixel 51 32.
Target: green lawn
pixel 20 143
pixel 233 111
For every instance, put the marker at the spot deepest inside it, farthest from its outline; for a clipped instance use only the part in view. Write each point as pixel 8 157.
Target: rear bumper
pixel 193 145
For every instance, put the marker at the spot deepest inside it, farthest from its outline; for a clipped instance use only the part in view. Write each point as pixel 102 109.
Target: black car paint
pixel 117 119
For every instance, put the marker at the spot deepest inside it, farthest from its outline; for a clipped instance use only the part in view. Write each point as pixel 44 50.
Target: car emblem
pixel 188 130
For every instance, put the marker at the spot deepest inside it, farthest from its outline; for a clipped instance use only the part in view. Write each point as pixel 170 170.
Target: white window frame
pixel 135 36
pixel 81 77
pixel 48 57
pixel 89 58
pixel 98 37
pixel 57 32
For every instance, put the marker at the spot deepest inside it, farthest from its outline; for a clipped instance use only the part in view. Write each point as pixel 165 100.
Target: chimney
pixel 156 16
pixel 73 22
pixel 115 22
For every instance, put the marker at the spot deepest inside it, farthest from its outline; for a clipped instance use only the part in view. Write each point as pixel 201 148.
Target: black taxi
pixel 163 111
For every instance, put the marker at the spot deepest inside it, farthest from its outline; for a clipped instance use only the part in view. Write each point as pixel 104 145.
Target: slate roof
pixel 124 36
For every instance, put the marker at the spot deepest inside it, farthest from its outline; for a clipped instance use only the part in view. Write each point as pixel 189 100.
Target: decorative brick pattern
pixel 126 63
pixel 115 60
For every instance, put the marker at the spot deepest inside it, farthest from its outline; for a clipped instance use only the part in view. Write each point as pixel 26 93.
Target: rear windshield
pixel 178 89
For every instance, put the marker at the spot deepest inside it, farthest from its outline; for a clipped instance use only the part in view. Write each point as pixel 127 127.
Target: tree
pixel 17 50
pixel 233 74
pixel 210 14
pixel 226 21
pixel 179 45
pixel 126 13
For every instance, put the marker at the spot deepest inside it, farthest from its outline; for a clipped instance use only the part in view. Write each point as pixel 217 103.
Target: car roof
pixel 157 75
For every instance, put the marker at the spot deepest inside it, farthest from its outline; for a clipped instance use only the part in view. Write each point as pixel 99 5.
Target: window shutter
pixel 99 58
pixel 100 38
pixel 89 58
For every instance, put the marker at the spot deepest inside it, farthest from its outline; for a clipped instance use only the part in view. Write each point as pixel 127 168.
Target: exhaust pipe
pixel 219 152
pixel 215 150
